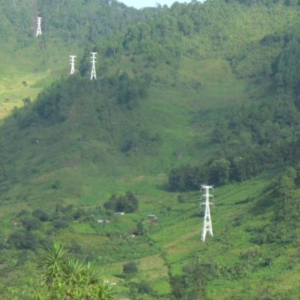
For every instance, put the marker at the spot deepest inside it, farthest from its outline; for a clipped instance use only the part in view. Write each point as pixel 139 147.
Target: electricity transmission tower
pixel 207 226
pixel 39 26
pixel 93 60
pixel 72 63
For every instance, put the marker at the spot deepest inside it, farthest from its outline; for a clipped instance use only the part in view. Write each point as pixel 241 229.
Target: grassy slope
pixel 25 72
pixel 176 237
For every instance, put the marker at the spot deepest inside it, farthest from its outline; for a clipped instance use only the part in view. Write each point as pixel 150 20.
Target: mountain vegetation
pixel 100 179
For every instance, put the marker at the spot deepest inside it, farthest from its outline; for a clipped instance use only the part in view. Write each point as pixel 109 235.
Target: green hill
pixel 191 94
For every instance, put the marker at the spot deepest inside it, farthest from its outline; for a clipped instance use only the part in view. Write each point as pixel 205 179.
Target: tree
pixel 220 171
pixel 239 169
pixel 127 203
pixel 191 284
pixel 287 198
pixel 286 184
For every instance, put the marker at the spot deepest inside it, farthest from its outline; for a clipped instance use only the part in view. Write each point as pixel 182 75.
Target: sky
pixel 145 3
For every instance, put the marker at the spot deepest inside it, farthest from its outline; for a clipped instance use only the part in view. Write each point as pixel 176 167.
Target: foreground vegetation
pixel 64 277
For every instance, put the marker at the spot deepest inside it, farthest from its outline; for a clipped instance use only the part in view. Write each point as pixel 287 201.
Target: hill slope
pixel 199 84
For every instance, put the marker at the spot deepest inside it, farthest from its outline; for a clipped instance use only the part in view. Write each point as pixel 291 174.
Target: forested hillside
pixel 192 94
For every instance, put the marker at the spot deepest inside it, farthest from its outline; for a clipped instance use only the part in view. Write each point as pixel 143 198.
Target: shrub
pixel 40 215
pixel 144 288
pixel 130 268
pixel 60 224
pixel 30 223
pixel 23 240
pixel 181 199
pixel 79 214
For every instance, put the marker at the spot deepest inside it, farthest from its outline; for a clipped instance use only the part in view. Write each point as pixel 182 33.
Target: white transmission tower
pixel 93 60
pixel 207 226
pixel 39 27
pixel 72 63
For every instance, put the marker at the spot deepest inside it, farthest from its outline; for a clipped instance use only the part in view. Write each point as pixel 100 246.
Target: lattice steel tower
pixel 93 60
pixel 72 64
pixel 39 26
pixel 207 226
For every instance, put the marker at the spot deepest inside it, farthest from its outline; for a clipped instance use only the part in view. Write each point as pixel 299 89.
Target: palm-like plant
pixel 52 262
pixel 72 272
pixel 90 275
pixel 67 278
pixel 105 292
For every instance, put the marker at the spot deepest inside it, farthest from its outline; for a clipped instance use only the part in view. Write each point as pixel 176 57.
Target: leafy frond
pixel 52 261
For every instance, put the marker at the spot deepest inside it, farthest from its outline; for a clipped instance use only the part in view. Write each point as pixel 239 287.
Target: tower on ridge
pixel 93 61
pixel 39 26
pixel 207 226
pixel 72 64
